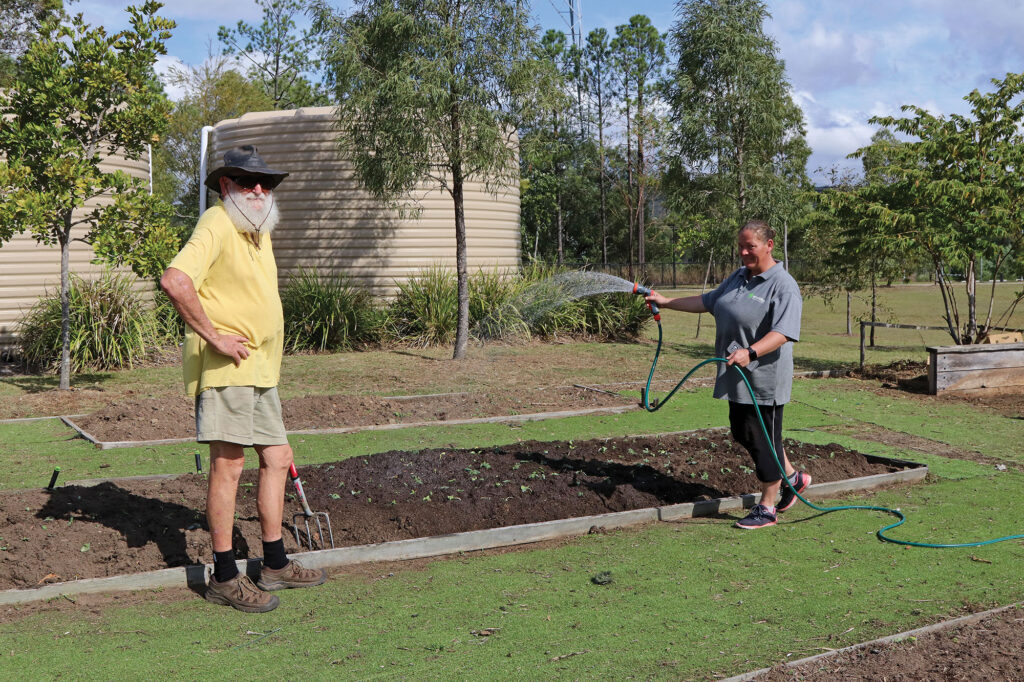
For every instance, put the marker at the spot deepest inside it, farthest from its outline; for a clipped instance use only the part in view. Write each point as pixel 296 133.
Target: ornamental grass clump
pixel 328 313
pixel 425 310
pixel 532 303
pixel 111 326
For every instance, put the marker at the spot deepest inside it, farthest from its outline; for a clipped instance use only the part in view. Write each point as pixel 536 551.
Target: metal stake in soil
pixel 306 515
pixel 53 479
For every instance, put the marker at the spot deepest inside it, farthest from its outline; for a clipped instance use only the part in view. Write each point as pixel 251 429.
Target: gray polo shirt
pixel 744 312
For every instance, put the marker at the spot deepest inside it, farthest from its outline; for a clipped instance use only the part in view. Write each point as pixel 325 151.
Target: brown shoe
pixel 292 575
pixel 241 594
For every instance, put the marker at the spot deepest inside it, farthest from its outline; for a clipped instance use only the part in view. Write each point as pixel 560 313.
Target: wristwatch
pixel 752 352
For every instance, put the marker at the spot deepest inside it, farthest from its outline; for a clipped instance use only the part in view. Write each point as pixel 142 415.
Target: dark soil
pixel 991 649
pixel 907 378
pixel 131 526
pixel 135 419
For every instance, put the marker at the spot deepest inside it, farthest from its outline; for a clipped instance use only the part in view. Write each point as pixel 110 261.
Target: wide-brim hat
pixel 244 161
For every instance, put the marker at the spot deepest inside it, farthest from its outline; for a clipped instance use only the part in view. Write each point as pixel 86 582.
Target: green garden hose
pixel 658 404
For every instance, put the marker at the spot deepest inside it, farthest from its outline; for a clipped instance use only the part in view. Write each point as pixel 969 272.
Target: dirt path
pixel 136 419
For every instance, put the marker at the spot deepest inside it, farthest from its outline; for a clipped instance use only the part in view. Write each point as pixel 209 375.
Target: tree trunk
pixel 874 300
pixel 972 301
pixel 65 304
pixel 461 258
pixel 707 275
pixel 558 224
pixel 785 244
pixel 849 316
pixel 604 211
pixel 641 237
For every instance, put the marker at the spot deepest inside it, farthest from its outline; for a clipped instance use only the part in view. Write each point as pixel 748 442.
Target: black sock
pixel 224 567
pixel 273 554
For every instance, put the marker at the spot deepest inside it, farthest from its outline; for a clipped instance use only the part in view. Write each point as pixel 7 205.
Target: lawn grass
pixel 688 600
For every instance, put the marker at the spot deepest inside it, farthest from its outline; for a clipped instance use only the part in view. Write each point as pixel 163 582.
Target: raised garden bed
pixel 131 526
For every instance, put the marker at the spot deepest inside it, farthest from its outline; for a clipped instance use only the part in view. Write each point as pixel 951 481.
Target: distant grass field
pixel 823 345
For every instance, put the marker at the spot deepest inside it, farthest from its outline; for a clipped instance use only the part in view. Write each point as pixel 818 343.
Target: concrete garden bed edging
pixel 899 637
pixel 195 576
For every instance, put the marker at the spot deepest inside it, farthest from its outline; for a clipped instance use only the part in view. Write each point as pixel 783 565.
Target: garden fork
pixel 306 515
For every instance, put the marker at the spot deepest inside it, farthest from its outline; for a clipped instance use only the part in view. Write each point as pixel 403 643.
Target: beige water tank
pixel 28 269
pixel 328 221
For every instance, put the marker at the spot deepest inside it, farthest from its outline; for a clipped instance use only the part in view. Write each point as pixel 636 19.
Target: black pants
pixel 746 429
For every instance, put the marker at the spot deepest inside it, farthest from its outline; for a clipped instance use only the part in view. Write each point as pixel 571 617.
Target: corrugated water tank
pixel 329 222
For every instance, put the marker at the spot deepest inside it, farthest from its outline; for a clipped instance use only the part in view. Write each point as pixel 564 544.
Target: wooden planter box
pixel 977 368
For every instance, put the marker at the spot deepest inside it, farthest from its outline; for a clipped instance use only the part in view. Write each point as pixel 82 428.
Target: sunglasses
pixel 250 181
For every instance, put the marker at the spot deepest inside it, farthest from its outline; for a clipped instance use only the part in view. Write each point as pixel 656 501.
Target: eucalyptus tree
pixel 80 94
pixel 955 191
pixel 731 111
pixel 639 53
pixel 279 56
pixel 597 54
pixel 435 89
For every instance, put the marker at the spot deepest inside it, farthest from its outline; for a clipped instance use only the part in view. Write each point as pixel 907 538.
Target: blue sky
pixel 846 61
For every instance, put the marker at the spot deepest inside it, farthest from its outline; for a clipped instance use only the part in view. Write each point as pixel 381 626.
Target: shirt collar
pixel 771 272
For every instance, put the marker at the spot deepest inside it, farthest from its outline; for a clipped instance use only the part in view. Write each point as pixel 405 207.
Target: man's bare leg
pixel 274 463
pixel 226 462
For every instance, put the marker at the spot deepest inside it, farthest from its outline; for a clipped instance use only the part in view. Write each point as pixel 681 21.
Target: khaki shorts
pixel 244 415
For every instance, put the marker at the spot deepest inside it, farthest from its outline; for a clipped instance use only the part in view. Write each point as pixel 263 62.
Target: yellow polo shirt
pixel 237 287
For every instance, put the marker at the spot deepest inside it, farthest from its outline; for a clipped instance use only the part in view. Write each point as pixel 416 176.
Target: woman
pixel 757 318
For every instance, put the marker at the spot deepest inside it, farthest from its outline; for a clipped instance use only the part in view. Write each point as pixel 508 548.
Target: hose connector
pixel 644 291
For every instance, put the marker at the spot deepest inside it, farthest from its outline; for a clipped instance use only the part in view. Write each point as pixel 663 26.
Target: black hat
pixel 244 161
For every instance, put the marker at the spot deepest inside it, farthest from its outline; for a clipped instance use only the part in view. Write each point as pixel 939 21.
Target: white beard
pixel 247 216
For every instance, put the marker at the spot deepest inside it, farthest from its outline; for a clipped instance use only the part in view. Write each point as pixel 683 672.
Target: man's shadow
pixel 140 521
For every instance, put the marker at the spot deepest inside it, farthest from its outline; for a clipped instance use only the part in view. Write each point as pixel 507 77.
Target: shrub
pixel 327 313
pixel 111 327
pixel 169 324
pixel 532 303
pixel 425 311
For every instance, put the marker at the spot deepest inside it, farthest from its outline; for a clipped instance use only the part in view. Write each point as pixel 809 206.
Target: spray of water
pixel 516 316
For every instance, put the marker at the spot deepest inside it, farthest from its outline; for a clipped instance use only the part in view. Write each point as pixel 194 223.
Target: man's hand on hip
pixel 231 345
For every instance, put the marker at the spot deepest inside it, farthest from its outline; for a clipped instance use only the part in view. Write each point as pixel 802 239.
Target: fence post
pixel 674 285
pixel 862 323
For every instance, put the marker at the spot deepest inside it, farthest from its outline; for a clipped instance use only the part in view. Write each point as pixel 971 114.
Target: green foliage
pixel 19 23
pixel 504 305
pixel 80 94
pixel 424 313
pixel 111 327
pixel 327 312
pixel 953 191
pixel 170 326
pixel 434 89
pixel 739 140
pixel 278 57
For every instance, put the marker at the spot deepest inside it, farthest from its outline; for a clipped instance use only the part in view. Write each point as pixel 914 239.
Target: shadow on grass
pixel 39 383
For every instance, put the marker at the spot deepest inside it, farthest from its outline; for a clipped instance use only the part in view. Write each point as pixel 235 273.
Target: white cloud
pixel 827 59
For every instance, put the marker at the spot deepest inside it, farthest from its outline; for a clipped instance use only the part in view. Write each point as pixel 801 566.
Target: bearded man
pixel 224 285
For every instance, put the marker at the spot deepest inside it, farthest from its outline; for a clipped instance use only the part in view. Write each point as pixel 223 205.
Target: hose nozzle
pixel 644 291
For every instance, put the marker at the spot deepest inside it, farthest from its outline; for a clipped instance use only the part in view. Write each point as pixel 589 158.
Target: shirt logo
pixel 756 298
